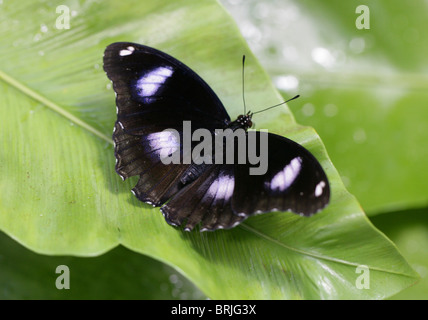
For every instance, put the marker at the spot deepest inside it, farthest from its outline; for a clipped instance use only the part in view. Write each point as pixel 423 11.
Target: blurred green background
pixel 364 92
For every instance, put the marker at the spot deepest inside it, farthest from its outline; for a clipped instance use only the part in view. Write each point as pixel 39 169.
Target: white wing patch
pixel 127 51
pixel 284 178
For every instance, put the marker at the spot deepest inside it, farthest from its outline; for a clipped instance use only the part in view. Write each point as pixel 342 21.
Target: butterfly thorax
pixel 243 122
pixel 195 170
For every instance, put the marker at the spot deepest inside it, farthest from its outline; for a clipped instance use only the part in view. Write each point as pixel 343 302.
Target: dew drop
pixel 173 278
pixel 308 109
pixel 290 53
pixel 37 37
pixel 261 10
pixel 43 28
pixel 251 32
pixel 323 57
pixel 359 136
pixel 330 110
pixel 357 45
pixel 235 2
pixel 421 270
pixel 184 296
pixel 288 82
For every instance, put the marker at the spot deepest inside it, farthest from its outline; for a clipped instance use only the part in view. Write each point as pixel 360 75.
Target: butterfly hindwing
pixel 294 181
pixel 207 201
pixel 140 155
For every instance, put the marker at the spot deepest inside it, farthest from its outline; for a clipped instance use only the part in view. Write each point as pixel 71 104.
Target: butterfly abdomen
pixel 193 172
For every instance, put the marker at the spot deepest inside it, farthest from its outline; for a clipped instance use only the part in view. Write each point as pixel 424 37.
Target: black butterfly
pixel 154 92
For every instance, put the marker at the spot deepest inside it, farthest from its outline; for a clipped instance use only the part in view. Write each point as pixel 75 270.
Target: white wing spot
pixel 222 188
pixel 284 178
pixel 127 51
pixel 150 83
pixel 319 188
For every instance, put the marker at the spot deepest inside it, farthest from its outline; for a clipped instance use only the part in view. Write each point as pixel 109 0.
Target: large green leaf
pixel 118 274
pixel 364 90
pixel 59 192
pixel 409 230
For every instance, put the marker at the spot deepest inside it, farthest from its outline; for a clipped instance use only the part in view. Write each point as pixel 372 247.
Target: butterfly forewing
pixel 155 91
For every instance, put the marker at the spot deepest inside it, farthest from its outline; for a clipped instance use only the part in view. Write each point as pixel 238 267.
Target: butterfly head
pixel 244 120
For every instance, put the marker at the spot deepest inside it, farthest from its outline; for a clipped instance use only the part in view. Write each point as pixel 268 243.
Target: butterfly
pixel 156 93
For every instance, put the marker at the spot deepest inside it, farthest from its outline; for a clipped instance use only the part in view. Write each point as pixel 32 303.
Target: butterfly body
pixel 156 95
pixel 195 170
pixel 242 122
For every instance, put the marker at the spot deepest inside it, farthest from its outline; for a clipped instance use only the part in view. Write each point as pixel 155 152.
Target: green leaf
pixel 364 90
pixel 60 194
pixel 118 274
pixel 409 230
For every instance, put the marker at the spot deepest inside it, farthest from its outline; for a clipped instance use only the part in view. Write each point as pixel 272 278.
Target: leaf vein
pixel 53 106
pixel 314 255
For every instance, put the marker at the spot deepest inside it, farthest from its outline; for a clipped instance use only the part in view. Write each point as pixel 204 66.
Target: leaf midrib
pixel 314 255
pixel 57 108
pixel 53 106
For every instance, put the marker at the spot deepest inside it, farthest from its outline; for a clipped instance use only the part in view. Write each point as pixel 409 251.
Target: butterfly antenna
pixel 295 97
pixel 243 84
